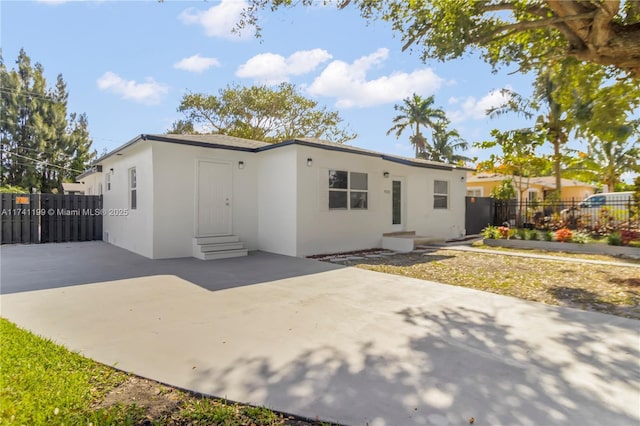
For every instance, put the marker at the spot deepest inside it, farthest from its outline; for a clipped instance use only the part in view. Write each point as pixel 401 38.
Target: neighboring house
pixel 536 188
pixel 91 181
pixel 174 195
pixel 73 188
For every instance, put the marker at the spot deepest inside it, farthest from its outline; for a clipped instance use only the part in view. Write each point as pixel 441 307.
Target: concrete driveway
pixel 317 340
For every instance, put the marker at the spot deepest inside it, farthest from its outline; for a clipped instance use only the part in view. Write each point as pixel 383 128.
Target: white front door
pixel 397 204
pixel 213 199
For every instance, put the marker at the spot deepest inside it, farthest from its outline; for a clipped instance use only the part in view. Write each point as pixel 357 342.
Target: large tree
pixel 416 111
pixel 264 113
pixel 526 32
pixel 42 145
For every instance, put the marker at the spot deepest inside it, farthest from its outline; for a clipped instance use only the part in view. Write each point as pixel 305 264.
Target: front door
pixel 397 204
pixel 213 199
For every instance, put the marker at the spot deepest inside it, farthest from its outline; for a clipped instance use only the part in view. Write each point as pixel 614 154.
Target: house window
pixel 440 194
pixel 348 190
pixel 532 195
pixel 133 193
pixel 107 179
pixel 474 192
pixel 100 188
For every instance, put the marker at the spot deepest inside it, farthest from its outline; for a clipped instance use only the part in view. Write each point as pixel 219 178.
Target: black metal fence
pixel 45 218
pixel 573 214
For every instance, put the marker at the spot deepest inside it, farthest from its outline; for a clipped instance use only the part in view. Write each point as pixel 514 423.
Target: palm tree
pixel 416 111
pixel 552 122
pixel 444 144
pixel 608 157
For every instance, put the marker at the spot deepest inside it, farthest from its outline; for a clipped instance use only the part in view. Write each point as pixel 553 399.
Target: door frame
pixel 403 204
pixel 196 222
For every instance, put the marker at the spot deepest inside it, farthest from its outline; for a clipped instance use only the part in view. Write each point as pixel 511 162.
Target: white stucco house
pixel 212 196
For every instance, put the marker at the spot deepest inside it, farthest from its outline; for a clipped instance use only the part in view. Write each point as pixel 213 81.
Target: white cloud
pixel 477 109
pixel 272 68
pixel 150 92
pixel 348 82
pixel 219 20
pixel 196 63
pixel 53 2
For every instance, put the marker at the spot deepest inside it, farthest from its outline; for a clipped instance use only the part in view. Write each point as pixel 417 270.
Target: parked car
pixel 610 207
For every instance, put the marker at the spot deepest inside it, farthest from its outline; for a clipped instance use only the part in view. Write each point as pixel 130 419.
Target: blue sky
pixel 128 63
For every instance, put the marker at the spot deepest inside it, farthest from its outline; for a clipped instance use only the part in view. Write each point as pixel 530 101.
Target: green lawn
pixel 42 383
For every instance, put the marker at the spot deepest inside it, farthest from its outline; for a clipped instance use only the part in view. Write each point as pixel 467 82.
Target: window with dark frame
pixel 107 178
pixel 440 194
pixel 133 192
pixel 348 190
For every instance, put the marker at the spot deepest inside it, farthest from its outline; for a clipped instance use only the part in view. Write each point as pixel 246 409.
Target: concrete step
pixel 208 248
pixel 399 234
pixel 216 240
pixel 224 254
pixel 407 243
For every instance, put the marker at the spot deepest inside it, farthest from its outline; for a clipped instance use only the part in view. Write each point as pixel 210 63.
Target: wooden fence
pixel 47 218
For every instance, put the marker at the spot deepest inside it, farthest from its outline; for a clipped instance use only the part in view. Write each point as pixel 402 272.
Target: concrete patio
pixel 319 340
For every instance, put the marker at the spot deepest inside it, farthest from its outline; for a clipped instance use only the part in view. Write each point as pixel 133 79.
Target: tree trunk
pixel 556 165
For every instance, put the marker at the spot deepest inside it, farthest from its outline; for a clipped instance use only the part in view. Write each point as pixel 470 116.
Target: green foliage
pixel 43 383
pixel 416 111
pixel 263 113
pixel 504 191
pixel 532 235
pixel 42 144
pixel 614 239
pixel 522 233
pixel 11 189
pixel 490 233
pixel 581 238
pixel 548 235
pixel 519 157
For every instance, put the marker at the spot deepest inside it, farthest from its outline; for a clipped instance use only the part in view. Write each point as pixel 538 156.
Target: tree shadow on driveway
pixel 451 366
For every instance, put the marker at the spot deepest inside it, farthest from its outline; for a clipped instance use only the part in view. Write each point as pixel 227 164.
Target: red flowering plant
pixel 563 235
pixel 504 231
pixel 628 236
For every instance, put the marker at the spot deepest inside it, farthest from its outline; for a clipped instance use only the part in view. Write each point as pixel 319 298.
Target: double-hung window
pixel 348 190
pixel 440 194
pixel 133 191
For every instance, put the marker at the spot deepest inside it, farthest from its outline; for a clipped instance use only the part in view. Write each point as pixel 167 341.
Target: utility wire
pixel 45 163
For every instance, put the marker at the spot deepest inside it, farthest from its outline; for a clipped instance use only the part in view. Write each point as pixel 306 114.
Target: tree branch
pixel 540 23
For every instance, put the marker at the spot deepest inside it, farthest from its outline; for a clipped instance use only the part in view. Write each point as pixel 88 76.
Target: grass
pixel 603 288
pixel 43 383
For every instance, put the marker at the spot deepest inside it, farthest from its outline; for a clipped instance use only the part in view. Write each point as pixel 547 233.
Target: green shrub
pixel 634 244
pixel 548 235
pixel 614 239
pixel 533 235
pixel 490 233
pixel 581 238
pixel 522 233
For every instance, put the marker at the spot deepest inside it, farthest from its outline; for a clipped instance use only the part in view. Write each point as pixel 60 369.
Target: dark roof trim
pixel 403 161
pixel 316 145
pixel 408 162
pixel 196 143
